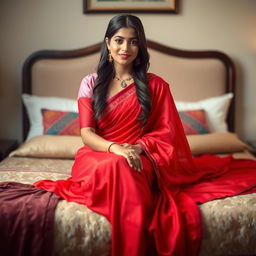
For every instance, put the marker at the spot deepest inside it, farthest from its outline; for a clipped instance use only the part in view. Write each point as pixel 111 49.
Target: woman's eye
pixel 118 41
pixel 134 42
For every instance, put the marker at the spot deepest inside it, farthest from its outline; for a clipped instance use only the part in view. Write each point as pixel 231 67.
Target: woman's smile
pixel 124 56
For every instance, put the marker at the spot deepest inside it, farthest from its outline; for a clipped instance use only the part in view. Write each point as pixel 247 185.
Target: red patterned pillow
pixel 194 121
pixel 60 123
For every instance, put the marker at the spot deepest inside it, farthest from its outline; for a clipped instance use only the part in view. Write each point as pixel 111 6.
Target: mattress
pixel 229 224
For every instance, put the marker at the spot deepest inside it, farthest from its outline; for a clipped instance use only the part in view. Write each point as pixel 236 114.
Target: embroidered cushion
pixel 34 104
pixel 216 109
pixel 194 121
pixel 60 123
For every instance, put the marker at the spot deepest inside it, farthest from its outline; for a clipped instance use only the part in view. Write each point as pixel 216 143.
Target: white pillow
pixel 216 109
pixel 34 104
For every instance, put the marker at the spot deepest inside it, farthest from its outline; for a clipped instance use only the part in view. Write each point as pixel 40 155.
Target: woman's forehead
pixel 126 33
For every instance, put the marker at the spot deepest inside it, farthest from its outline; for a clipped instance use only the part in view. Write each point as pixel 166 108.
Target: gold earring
pixel 110 58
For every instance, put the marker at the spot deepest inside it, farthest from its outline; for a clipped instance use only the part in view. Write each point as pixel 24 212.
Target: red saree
pixel 157 205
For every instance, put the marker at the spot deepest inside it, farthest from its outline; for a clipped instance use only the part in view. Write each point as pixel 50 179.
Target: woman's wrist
pixel 113 145
pixel 109 146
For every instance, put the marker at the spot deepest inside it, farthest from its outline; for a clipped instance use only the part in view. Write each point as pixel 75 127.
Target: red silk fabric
pixel 157 206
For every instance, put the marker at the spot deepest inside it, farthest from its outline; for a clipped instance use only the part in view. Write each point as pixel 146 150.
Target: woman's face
pixel 123 46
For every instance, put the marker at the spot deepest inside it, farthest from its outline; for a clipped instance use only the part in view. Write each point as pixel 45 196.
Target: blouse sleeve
pixel 86 116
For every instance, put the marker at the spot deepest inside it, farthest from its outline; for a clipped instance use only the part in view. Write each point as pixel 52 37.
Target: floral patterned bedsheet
pixel 229 225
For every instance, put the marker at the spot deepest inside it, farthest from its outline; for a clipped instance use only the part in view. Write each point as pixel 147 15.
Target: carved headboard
pixel 192 75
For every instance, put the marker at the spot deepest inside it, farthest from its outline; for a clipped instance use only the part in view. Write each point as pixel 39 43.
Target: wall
pixel 30 25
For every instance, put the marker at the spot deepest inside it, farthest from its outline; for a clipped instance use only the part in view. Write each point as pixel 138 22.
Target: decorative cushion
pixel 194 121
pixel 34 104
pixel 60 122
pixel 216 109
pixel 54 146
pixel 50 146
pixel 216 143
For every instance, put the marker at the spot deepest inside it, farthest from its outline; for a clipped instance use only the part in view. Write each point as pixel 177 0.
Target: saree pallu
pixel 152 212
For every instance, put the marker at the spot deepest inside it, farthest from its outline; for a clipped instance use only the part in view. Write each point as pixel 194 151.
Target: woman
pixel 136 166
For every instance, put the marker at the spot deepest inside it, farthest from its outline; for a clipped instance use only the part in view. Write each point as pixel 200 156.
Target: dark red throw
pixel 26 220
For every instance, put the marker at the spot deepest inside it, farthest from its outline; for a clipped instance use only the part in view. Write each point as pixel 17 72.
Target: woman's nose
pixel 125 46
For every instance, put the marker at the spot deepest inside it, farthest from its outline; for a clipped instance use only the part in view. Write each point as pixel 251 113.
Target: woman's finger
pixel 130 161
pixel 135 161
pixel 140 163
pixel 130 154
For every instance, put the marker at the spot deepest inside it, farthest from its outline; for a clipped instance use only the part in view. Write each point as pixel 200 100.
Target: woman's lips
pixel 124 56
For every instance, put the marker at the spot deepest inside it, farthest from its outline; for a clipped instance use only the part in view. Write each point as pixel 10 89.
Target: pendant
pixel 123 84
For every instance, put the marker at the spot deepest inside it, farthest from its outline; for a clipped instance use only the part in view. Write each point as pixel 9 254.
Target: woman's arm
pixel 94 141
pixel 97 143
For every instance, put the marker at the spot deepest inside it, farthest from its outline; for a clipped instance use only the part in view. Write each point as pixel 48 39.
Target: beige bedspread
pixel 229 225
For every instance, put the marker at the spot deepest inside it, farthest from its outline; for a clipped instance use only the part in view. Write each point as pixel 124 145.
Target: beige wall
pixel 30 25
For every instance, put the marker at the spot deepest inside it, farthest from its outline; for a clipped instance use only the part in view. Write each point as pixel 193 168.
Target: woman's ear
pixel 107 42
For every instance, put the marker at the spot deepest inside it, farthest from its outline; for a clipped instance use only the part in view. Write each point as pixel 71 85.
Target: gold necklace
pixel 123 84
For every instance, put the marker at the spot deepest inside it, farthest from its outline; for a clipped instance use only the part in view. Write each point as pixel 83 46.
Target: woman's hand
pixel 97 143
pixel 137 147
pixel 131 153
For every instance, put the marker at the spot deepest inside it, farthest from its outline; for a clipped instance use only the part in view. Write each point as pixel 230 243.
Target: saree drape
pixel 152 212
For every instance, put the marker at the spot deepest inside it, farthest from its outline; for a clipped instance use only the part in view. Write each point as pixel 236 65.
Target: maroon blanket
pixel 26 220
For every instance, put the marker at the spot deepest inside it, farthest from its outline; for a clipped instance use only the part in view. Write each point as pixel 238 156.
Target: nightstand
pixel 6 146
pixel 252 144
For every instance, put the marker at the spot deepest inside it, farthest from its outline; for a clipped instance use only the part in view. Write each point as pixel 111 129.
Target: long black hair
pixel 106 72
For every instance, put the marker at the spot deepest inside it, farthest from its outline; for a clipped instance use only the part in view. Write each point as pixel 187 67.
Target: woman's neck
pixel 123 72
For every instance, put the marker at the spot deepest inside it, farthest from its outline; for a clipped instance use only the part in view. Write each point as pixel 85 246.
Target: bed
pixel 203 86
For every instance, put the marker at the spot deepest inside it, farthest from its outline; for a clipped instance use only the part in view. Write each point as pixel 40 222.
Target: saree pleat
pixel 159 203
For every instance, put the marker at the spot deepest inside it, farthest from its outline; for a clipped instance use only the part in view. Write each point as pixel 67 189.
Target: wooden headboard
pixel 192 75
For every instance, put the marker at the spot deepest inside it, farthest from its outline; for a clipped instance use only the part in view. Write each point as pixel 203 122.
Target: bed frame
pixel 185 71
pixel 192 75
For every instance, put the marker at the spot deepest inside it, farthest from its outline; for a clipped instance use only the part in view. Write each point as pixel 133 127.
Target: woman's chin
pixel 124 62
